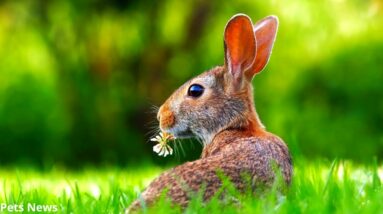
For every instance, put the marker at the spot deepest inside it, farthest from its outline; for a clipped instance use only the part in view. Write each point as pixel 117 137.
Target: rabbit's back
pixel 259 156
pixel 266 156
pixel 252 156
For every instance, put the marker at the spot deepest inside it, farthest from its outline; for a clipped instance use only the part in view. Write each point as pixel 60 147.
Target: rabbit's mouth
pixel 178 132
pixel 184 134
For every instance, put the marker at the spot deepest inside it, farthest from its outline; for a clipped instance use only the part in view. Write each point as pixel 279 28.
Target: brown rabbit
pixel 217 107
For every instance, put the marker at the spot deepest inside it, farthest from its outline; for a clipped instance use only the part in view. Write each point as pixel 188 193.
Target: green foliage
pixel 317 187
pixel 78 78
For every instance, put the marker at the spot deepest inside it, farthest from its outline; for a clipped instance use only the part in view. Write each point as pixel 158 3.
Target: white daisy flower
pixel 162 148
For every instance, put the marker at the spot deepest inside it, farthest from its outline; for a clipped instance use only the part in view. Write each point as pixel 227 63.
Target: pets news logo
pixel 28 207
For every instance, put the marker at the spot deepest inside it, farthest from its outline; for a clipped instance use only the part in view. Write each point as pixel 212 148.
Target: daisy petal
pixel 162 151
pixel 170 150
pixel 157 148
pixel 166 152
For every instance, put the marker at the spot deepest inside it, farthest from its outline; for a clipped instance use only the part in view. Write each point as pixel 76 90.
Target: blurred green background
pixel 78 79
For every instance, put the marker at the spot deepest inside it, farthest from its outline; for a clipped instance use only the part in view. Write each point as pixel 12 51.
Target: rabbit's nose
pixel 166 117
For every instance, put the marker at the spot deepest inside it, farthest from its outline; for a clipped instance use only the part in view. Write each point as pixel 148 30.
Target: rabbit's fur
pixel 224 118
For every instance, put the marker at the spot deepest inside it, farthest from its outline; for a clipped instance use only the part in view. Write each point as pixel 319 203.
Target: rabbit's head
pixel 222 98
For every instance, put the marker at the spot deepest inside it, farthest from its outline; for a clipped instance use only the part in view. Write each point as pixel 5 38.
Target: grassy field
pixel 318 187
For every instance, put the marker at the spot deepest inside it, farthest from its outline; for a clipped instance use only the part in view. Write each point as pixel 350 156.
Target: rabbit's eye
pixel 195 90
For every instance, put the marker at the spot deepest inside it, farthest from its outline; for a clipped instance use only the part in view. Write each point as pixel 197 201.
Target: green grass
pixel 318 187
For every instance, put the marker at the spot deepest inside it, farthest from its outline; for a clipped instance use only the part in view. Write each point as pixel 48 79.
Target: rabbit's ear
pixel 240 46
pixel 265 32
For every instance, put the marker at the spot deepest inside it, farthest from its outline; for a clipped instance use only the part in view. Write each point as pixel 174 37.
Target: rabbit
pixel 217 106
